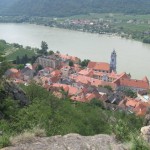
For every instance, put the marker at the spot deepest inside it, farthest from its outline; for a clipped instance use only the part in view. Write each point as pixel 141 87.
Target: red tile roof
pixel 90 96
pixel 102 66
pixel 112 75
pixel 91 64
pixel 84 98
pixel 140 108
pixel 56 73
pixel 132 103
pixel 86 80
pixel 70 89
pixel 99 66
pixel 91 81
pixel 133 83
pixel 67 57
pixel 13 70
pixel 86 72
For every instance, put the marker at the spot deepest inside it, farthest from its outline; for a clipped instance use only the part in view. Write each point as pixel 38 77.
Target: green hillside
pixel 61 8
pixel 62 116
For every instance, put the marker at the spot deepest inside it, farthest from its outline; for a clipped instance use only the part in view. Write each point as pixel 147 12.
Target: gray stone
pixel 15 92
pixel 72 142
pixel 145 132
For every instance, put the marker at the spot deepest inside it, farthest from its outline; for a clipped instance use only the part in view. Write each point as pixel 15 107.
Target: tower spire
pixel 113 61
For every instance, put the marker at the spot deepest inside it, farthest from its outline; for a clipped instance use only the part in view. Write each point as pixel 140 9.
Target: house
pixel 143 96
pixel 74 59
pixel 27 73
pixel 104 91
pixel 45 72
pixel 83 97
pixel 67 88
pixel 66 71
pixel 115 97
pixel 86 72
pixel 133 84
pixel 56 73
pixel 49 61
pixel 99 66
pixel 109 77
pixel 66 81
pixel 12 73
pixel 91 81
pixel 85 80
pixel 136 106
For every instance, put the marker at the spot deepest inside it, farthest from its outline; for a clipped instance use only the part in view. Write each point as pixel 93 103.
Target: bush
pixel 139 144
pixel 4 141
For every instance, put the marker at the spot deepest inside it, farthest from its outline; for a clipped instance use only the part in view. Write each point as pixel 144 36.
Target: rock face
pixel 71 142
pixel 145 132
pixel 147 120
pixel 15 92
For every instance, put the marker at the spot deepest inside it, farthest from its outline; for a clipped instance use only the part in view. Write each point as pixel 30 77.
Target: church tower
pixel 113 61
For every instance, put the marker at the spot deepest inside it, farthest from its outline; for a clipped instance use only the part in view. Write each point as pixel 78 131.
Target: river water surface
pixel 132 56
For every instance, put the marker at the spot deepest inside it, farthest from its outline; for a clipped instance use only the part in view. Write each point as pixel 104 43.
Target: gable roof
pixel 91 64
pixel 99 66
pixel 133 83
pixel 145 79
pixel 86 72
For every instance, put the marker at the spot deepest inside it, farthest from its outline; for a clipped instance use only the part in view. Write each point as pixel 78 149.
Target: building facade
pixel 49 61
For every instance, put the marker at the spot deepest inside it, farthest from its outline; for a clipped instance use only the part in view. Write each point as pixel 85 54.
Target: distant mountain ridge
pixel 61 8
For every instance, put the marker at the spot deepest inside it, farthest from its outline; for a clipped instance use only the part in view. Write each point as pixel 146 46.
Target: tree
pixel 33 59
pixel 18 60
pixel 44 48
pixel 39 67
pixel 20 66
pixel 71 63
pixel 108 87
pixel 26 59
pixel 130 93
pixel 84 63
pixel 4 65
pixel 50 52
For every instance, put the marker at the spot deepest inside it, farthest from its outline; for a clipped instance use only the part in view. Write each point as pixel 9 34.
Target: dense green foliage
pixel 130 93
pixel 71 7
pixel 4 65
pixel 62 116
pixel 44 48
pixel 84 63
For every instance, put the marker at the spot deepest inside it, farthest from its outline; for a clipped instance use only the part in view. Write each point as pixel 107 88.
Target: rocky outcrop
pixel 145 133
pixel 147 119
pixel 71 142
pixel 15 92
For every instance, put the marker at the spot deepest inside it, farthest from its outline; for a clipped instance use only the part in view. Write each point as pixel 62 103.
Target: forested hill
pixel 60 8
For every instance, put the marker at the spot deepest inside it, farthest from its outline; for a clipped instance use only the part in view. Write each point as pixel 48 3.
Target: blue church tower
pixel 113 61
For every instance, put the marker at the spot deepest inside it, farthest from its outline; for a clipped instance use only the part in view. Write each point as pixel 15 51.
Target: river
pixel 132 56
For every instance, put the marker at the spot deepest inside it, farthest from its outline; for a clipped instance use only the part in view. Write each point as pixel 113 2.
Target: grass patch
pixel 27 136
pixel 4 141
pixel 20 53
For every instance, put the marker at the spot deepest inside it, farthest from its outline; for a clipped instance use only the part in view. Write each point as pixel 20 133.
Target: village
pixel 64 76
